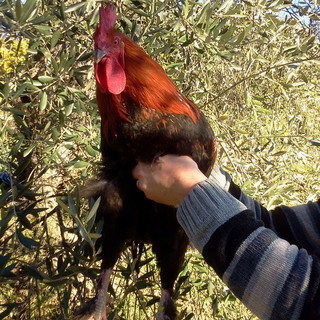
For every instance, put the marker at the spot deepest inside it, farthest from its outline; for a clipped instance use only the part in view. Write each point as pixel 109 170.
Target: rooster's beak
pixel 99 54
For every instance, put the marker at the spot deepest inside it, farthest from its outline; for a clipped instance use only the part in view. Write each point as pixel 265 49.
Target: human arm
pixel 274 279
pixel 297 224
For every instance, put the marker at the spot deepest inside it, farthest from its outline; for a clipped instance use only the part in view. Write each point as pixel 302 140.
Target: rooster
pixel 143 116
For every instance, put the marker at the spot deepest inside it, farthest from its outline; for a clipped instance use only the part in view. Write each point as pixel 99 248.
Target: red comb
pixel 108 16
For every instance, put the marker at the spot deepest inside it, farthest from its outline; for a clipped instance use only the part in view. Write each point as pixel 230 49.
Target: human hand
pixel 169 179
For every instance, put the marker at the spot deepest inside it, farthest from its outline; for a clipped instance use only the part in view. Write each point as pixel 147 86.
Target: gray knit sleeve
pixel 224 180
pixel 206 208
pixel 273 278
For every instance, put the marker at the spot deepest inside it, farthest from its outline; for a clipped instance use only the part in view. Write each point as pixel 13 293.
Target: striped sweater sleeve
pixel 273 278
pixel 299 225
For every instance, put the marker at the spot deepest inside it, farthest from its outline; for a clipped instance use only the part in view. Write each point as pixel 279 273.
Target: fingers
pixel 140 173
pixel 142 184
pixel 136 172
pixel 140 170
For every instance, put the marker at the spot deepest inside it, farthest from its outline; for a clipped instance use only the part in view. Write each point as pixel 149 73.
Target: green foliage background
pixel 253 71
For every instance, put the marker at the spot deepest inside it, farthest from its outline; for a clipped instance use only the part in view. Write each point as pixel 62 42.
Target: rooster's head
pixel 109 52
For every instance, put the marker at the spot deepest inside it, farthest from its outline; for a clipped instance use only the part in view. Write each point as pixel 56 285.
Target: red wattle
pixel 115 76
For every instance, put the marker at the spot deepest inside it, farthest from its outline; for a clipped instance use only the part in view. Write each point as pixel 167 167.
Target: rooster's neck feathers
pixel 147 86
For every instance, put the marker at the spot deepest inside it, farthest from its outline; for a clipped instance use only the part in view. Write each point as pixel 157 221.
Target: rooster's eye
pixel 116 42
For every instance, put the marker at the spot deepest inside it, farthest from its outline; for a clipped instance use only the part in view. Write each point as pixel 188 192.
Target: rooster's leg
pixel 96 308
pixel 100 311
pixel 165 299
pixel 170 256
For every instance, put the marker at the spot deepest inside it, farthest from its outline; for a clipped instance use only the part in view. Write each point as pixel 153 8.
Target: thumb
pixel 139 170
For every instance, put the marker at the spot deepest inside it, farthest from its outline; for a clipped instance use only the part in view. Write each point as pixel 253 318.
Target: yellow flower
pixel 12 53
